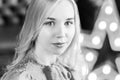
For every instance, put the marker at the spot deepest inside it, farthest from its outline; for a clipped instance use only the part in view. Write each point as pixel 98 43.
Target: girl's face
pixel 58 29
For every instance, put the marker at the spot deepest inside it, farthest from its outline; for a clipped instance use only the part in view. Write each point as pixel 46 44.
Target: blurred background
pixel 12 13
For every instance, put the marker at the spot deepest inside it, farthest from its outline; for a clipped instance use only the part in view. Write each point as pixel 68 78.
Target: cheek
pixel 43 37
pixel 71 33
pixel 43 41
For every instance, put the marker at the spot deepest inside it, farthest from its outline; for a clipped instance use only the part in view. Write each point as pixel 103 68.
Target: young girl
pixel 49 44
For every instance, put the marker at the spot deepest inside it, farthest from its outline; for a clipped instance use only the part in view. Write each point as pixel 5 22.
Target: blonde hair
pixel 37 12
pixel 35 16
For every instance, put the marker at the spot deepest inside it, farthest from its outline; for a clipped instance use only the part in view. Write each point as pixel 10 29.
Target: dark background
pixel 12 13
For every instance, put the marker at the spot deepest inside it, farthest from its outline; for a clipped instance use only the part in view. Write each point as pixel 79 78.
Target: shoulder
pixel 11 75
pixel 30 72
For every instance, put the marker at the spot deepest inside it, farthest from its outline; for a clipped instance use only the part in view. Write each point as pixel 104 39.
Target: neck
pixel 43 57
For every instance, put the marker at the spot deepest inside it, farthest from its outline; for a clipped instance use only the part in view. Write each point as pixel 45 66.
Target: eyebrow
pixel 50 18
pixel 70 19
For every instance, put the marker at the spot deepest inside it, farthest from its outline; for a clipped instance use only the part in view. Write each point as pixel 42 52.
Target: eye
pixel 49 23
pixel 69 23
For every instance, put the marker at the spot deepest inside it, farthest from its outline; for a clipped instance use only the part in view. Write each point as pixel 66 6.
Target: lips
pixel 59 45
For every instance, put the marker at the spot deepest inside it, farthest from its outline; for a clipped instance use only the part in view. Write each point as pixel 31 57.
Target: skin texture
pixel 59 27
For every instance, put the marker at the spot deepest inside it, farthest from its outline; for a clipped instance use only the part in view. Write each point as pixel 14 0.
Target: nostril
pixel 59 36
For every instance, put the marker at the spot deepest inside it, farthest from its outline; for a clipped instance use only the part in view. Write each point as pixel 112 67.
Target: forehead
pixel 64 9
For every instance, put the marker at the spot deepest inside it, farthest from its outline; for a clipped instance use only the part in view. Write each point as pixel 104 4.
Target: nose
pixel 61 31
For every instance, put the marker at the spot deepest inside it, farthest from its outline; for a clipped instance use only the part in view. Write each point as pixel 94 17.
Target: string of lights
pixel 101 48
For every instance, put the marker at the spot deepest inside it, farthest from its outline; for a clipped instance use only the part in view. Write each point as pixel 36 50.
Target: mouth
pixel 59 45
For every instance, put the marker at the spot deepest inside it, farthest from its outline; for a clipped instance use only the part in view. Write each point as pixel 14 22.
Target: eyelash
pixel 49 23
pixel 52 23
pixel 68 23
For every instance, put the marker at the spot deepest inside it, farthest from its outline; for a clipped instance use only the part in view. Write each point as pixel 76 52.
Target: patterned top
pixel 33 71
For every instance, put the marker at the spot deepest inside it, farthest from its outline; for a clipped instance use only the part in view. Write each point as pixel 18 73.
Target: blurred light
pixel 92 76
pixel 22 10
pixel 108 10
pixel 96 40
pixel 1 3
pixel 84 70
pixel 7 12
pixel 102 25
pixel 89 56
pixel 117 77
pixel 13 2
pixel 106 69
pixel 81 38
pixel 15 20
pixel 117 42
pixel 113 26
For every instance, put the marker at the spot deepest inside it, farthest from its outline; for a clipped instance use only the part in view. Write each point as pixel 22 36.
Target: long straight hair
pixel 37 12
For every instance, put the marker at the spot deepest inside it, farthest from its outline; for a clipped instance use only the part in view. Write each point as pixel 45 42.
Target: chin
pixel 59 52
